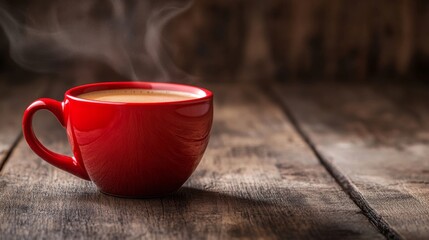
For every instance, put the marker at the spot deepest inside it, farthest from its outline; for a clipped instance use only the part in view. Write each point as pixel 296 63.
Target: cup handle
pixel 66 163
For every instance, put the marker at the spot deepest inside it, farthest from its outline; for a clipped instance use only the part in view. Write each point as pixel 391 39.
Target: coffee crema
pixel 138 95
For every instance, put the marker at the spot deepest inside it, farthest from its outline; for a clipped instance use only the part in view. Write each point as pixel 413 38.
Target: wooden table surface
pixel 287 161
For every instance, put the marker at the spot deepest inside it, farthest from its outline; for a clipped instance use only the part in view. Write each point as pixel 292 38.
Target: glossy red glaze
pixel 129 149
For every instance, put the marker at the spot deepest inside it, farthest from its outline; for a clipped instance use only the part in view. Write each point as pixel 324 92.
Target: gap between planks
pixel 345 183
pixel 19 136
pixel 10 150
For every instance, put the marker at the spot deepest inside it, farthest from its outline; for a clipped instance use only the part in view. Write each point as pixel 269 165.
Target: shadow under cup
pixel 130 149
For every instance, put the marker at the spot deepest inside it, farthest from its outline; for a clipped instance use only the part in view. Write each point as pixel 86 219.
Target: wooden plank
pixel 15 96
pixel 376 145
pixel 258 179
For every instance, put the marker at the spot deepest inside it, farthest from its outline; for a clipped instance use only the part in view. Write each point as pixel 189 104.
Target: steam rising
pixel 126 35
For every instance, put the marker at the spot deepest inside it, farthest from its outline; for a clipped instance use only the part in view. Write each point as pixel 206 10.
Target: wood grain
pixel 257 180
pixel 14 98
pixel 374 140
pixel 222 40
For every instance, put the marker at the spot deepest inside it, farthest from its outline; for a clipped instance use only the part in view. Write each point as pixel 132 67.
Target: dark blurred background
pixel 276 40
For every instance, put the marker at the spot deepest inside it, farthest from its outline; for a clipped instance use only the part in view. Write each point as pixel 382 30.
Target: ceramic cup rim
pixel 202 93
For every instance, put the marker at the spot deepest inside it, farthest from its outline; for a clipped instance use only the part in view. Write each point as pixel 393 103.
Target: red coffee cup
pixel 129 149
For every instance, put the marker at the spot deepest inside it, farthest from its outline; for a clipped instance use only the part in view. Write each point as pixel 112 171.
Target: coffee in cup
pixel 138 95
